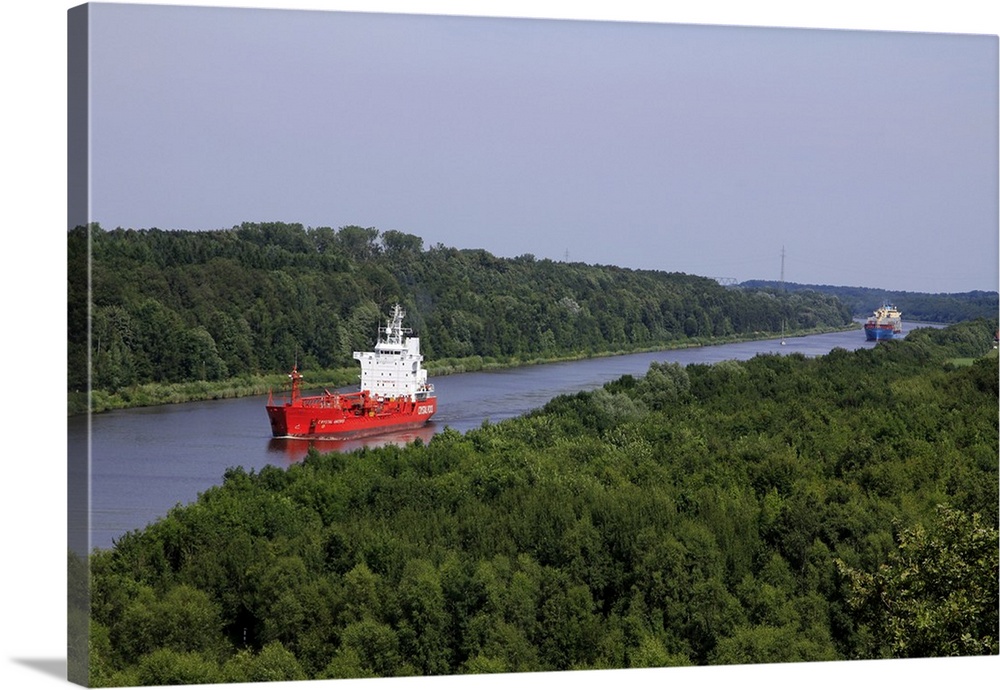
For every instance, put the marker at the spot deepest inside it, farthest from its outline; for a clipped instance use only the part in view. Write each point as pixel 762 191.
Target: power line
pixel 782 268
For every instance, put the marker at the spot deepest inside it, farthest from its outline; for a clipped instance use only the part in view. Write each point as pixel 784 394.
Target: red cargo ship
pixel 394 394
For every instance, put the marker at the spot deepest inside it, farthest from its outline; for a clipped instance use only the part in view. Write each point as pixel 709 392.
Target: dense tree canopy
pixel 915 306
pixel 742 512
pixel 171 306
pixel 937 594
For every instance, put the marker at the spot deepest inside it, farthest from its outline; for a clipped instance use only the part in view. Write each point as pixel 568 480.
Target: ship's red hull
pixel 394 394
pixel 341 417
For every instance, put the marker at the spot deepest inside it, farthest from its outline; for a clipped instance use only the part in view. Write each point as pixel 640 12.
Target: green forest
pixel 915 306
pixel 175 307
pixel 774 510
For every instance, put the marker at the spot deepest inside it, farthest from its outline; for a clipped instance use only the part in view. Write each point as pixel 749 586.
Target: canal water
pixel 144 461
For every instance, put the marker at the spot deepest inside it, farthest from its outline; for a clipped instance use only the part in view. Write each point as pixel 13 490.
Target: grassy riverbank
pixel 249 385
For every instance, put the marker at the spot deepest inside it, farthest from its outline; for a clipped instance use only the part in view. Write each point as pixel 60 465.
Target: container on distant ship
pixel 394 394
pixel 885 323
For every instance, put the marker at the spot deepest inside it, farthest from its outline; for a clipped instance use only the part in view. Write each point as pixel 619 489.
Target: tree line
pixel 775 510
pixel 175 306
pixel 915 306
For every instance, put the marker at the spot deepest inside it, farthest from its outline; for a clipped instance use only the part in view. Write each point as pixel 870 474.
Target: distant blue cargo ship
pixel 885 323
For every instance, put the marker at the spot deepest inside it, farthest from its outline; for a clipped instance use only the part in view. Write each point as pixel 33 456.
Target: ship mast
pixel 394 330
pixel 295 376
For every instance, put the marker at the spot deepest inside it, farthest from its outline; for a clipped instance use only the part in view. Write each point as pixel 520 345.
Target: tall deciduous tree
pixel 937 595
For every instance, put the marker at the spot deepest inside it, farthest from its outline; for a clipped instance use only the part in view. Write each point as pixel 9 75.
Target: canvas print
pixel 423 346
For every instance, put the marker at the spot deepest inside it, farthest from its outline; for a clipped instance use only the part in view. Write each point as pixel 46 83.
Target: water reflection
pixel 292 450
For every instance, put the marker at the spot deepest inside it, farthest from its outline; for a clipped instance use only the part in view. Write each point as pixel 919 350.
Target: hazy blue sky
pixel 870 156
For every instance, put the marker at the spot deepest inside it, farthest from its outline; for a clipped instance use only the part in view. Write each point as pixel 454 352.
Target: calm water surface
pixel 145 461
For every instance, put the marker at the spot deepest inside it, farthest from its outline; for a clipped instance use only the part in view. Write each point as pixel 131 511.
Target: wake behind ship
pixel 394 394
pixel 885 323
